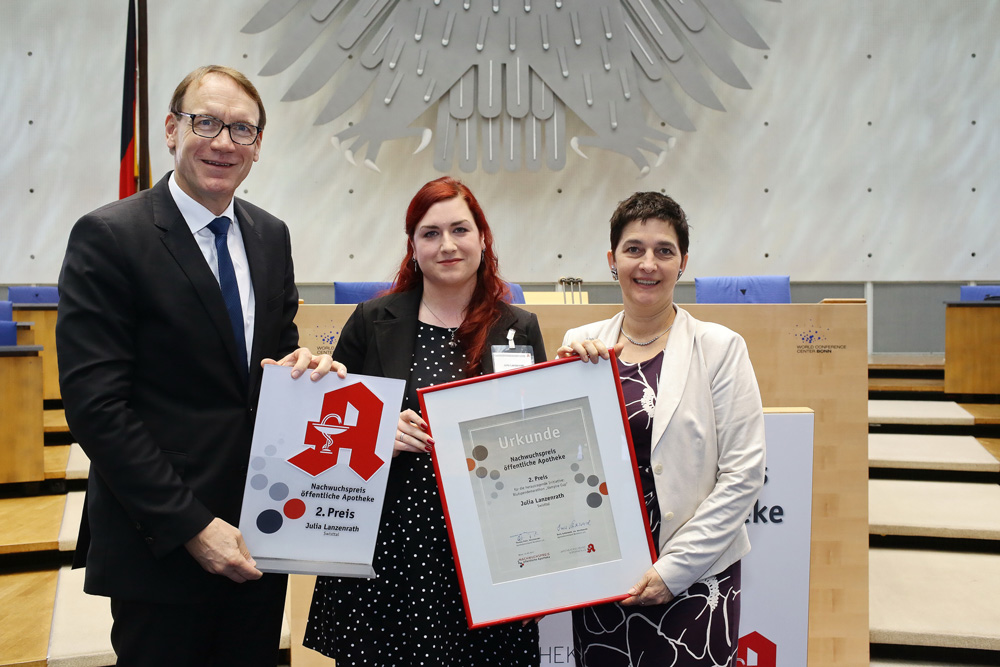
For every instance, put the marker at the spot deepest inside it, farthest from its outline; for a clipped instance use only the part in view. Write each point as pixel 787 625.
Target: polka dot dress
pixel 412 612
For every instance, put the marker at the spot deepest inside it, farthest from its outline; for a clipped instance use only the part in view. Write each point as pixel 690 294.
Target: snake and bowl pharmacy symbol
pixel 349 419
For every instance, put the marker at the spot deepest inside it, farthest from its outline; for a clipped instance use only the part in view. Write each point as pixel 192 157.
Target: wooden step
pixel 983 413
pixel 66 462
pixel 934 598
pixel 937 413
pixel 78 466
pixel 906 362
pixel 54 421
pixel 934 509
pixel 72 516
pixel 919 385
pixel 26 600
pixel 30 524
pixel 930 452
pixel 992 445
pixel 56 458
pixel 81 625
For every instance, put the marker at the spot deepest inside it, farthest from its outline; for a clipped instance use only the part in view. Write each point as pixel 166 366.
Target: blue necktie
pixel 230 290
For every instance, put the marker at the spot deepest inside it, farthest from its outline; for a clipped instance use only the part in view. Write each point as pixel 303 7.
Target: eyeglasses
pixel 210 127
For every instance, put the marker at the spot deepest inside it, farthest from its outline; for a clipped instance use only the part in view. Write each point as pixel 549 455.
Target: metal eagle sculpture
pixel 502 73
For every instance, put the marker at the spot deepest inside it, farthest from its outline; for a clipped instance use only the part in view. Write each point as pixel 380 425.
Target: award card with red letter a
pixel 319 464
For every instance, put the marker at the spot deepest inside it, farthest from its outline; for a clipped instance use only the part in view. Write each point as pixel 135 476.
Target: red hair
pixel 484 307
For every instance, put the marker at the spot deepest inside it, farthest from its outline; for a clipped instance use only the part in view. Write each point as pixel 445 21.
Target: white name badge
pixel 509 357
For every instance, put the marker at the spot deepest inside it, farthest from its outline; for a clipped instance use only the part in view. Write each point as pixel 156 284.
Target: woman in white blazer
pixel 698 429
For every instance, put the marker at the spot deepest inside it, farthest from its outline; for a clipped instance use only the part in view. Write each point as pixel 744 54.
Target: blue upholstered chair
pixel 743 289
pixel 8 333
pixel 348 292
pixel 33 294
pixel 979 292
pixel 6 311
pixel 516 293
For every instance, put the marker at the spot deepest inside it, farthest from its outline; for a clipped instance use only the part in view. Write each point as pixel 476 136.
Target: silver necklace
pixel 632 340
pixel 452 343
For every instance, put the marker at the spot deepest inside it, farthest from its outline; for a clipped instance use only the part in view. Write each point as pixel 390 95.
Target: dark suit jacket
pixel 152 387
pixel 379 336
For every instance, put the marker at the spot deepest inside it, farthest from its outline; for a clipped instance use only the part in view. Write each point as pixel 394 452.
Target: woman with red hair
pixel 448 306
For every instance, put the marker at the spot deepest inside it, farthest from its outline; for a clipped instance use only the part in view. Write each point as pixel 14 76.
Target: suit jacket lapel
pixel 181 245
pixel 673 373
pixel 257 260
pixel 396 334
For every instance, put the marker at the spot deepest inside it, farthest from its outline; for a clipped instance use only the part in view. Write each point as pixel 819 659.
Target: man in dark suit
pixel 171 300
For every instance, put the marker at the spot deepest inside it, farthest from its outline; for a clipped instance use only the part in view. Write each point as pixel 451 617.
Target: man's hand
pixel 302 360
pixel 219 548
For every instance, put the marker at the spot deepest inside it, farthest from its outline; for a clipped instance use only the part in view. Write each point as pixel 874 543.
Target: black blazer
pixel 379 336
pixel 152 387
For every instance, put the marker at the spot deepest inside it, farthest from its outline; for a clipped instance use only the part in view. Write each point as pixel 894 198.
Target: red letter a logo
pixel 756 650
pixel 349 420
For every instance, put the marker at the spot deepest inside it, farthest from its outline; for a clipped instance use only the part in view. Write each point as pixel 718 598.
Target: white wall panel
pixel 777 184
pixel 59 104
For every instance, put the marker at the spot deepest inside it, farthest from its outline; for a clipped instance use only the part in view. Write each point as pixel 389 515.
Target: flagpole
pixel 145 181
pixel 126 155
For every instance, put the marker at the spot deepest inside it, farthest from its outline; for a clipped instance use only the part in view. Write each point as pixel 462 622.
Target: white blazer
pixel 707 446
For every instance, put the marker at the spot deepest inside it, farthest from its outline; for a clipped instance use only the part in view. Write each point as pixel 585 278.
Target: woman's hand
pixel 649 590
pixel 588 350
pixel 302 359
pixel 411 434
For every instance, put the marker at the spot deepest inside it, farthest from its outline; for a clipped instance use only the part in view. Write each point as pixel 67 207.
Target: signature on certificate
pixel 526 536
pixel 572 525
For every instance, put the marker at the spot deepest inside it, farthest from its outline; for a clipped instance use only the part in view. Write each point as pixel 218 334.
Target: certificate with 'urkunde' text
pixel 538 482
pixel 540 490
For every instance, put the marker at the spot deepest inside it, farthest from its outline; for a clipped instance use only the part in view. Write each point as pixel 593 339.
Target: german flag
pixel 126 174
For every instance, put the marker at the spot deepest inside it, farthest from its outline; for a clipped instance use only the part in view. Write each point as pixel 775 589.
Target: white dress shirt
pixel 198 218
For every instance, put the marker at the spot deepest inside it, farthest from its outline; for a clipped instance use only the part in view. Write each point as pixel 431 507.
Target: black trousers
pixel 242 628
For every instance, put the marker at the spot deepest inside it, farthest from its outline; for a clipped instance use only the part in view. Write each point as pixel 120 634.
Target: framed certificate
pixel 540 490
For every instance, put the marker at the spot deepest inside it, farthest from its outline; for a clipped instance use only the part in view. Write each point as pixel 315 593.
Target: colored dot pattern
pixel 270 521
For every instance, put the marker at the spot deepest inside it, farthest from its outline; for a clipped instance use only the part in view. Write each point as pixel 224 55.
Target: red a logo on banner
pixel 756 650
pixel 349 420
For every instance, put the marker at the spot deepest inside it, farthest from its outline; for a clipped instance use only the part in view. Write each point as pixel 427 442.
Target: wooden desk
pixel 21 431
pixel 44 317
pixel 972 348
